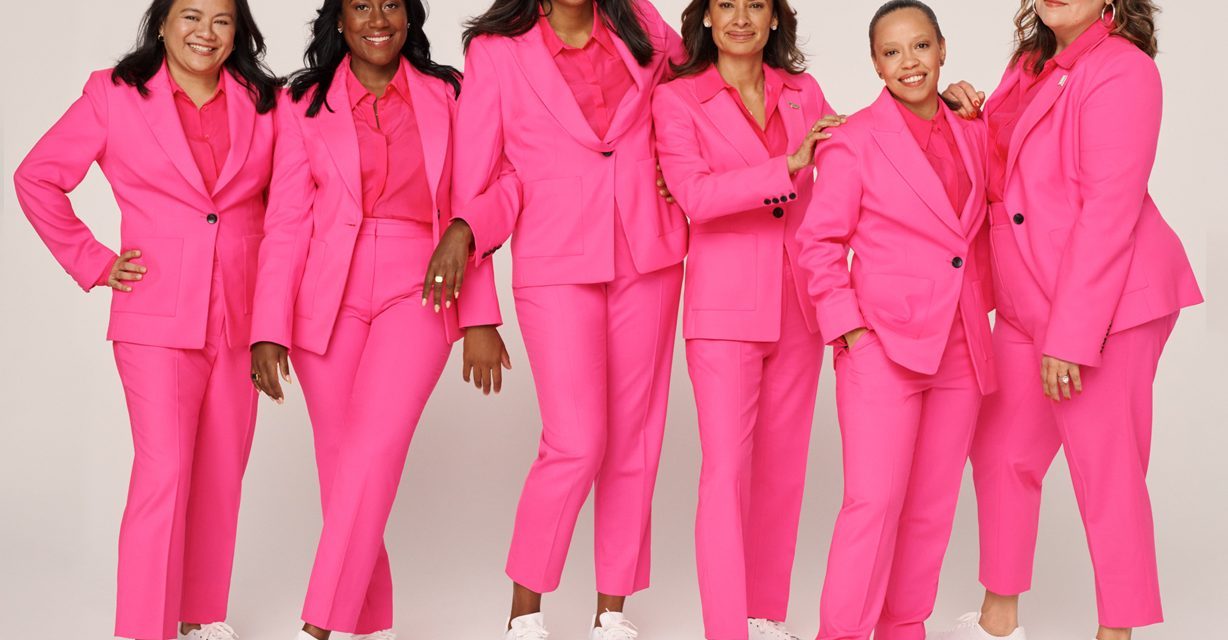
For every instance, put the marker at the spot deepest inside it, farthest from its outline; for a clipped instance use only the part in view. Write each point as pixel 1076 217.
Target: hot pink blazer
pixel 743 206
pixel 914 260
pixel 1091 238
pixel 315 212
pixel 165 210
pixel 528 162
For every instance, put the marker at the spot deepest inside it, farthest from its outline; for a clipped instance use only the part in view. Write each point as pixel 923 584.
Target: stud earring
pixel 339 30
pixel 774 27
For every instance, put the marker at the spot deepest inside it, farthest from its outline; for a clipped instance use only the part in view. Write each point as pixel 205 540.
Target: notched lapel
pixel 1055 85
pixel 430 100
pixel 542 74
pixel 726 117
pixel 160 114
pixel 241 113
pixel 892 135
pixel 337 130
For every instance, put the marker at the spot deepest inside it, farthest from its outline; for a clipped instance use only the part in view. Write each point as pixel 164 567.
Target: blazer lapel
pixel 529 51
pixel 241 113
pixel 336 126
pixel 726 117
pixel 973 210
pixel 631 107
pixel 1055 85
pixel 434 122
pixel 163 119
pixel 897 143
pixel 792 116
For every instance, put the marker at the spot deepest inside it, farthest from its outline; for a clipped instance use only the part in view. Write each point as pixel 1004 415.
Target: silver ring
pixel 1064 379
pixel 438 279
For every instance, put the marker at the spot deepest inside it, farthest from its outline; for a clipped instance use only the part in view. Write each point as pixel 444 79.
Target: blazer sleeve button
pixel 767 201
pixel 793 196
pixel 778 212
pixel 211 218
pixel 775 200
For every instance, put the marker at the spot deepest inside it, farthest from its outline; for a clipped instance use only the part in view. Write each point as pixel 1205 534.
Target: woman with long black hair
pixel 182 130
pixel 554 150
pixel 360 192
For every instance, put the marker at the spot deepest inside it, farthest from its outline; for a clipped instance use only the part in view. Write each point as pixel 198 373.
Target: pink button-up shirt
pixel 773 135
pixel 394 183
pixel 937 142
pixel 1006 116
pixel 596 73
pixel 207 130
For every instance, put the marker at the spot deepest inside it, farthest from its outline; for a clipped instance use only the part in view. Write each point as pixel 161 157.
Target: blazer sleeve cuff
pixel 1077 346
pixel 839 318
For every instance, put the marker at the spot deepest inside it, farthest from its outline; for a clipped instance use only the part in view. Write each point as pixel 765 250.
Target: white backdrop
pixel 65 446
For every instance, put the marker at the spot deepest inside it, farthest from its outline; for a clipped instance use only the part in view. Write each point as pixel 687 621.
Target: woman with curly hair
pixel 1089 280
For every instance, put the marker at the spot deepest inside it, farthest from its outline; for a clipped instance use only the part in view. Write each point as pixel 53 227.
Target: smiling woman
pixel 181 129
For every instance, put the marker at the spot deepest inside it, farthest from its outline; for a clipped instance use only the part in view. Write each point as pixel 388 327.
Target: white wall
pixel 65 446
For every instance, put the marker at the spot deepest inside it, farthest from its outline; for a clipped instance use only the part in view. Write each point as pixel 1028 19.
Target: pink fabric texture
pixel 390 152
pixel 905 437
pixel 1096 257
pixel 908 391
pixel 601 356
pixel 595 73
pixel 315 214
pixel 365 396
pixel 528 161
pixel 937 142
pixel 743 205
pixel 752 351
pixel 180 336
pixel 1105 433
pixel 167 212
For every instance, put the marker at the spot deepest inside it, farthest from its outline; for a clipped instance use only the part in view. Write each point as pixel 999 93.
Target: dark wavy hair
pixel 511 18
pixel 1134 20
pixel 897 5
pixel 246 62
pixel 328 48
pixel 780 52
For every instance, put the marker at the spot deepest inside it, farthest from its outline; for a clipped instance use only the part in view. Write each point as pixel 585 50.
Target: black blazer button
pixel 607 153
pixel 775 200
pixel 211 218
pixel 793 196
pixel 957 262
pixel 1018 218
pixel 767 201
pixel 778 212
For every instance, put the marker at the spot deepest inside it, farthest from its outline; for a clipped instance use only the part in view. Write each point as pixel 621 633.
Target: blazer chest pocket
pixel 552 222
pixel 721 271
pixel 157 293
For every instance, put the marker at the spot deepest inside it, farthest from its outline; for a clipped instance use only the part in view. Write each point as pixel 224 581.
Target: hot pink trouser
pixel 905 437
pixel 755 402
pixel 601 356
pixel 193 412
pixel 365 396
pixel 1106 435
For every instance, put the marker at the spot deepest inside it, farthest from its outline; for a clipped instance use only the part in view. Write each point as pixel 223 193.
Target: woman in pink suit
pixel 182 129
pixel 360 192
pixel 1089 281
pixel 736 133
pixel 554 150
pixel 902 185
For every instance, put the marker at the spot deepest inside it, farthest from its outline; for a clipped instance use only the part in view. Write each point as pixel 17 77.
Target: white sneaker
pixel 763 629
pixel 212 631
pixel 614 626
pixel 386 634
pixel 969 628
pixel 529 627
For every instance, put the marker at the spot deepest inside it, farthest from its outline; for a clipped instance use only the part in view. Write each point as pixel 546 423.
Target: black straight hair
pixel 511 18
pixel 897 5
pixel 780 52
pixel 328 49
pixel 246 62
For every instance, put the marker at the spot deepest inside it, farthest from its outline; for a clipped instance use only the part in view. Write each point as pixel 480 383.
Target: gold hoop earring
pixel 1105 11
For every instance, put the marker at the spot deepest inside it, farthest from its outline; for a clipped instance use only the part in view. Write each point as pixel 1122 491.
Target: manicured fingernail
pixel 424 302
pixel 447 304
pixel 436 308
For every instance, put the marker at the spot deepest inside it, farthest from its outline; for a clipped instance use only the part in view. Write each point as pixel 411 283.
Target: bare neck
pixel 574 25
pixel 744 73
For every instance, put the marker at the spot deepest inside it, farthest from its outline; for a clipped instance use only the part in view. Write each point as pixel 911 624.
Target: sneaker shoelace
pixel 775 629
pixel 622 630
pixel 217 631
